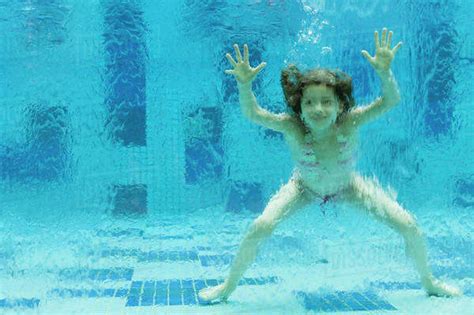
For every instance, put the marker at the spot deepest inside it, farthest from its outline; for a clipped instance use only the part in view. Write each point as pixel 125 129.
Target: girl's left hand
pixel 383 54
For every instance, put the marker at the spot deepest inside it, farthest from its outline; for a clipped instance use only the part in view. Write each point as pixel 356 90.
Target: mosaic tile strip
pixel 212 260
pixel 121 233
pixel 134 232
pixel 19 303
pixel 392 285
pixel 178 291
pixel 149 256
pixel 91 293
pixel 341 301
pixel 457 271
pixel 96 274
pixel 226 259
pixel 169 256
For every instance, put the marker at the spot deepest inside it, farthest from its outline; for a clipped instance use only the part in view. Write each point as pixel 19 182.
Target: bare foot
pixel 439 288
pixel 217 292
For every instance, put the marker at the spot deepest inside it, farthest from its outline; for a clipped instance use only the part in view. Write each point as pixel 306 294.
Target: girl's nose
pixel 318 108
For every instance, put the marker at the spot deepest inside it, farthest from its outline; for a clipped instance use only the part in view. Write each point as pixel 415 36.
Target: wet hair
pixel 293 83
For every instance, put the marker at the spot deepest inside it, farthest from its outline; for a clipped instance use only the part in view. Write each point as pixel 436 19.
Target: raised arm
pixel 390 93
pixel 245 75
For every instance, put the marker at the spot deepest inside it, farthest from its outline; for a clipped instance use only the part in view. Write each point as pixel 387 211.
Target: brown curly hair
pixel 293 83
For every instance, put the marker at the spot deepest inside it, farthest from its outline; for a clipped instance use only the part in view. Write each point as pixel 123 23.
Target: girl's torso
pixel 325 167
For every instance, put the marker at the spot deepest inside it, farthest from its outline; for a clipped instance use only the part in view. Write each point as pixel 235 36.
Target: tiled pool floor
pixel 266 300
pixel 141 279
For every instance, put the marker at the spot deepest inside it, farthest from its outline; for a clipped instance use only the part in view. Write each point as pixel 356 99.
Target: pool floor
pixel 160 270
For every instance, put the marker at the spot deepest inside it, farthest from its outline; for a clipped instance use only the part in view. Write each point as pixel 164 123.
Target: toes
pixel 456 292
pixel 208 294
pixel 204 293
pixel 444 290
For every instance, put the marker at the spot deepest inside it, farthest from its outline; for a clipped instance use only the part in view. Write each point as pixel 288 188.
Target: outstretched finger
pixel 237 53
pixel 389 40
pixel 231 60
pixel 396 48
pixel 260 67
pixel 229 71
pixel 376 39
pixel 246 53
pixel 384 37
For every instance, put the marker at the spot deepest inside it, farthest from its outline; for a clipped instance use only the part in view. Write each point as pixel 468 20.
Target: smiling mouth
pixel 317 118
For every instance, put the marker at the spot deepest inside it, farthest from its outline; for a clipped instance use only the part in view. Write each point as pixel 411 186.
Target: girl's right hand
pixel 243 72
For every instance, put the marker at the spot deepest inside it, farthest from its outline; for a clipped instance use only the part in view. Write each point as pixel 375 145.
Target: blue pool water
pixel 128 174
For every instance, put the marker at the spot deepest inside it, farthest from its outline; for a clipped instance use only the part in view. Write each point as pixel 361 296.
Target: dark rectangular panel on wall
pixel 45 155
pixel 245 196
pixel 437 57
pixel 125 73
pixel 203 145
pixel 129 200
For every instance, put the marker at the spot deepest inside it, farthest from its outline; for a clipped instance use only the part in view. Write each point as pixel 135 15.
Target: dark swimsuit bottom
pixel 326 198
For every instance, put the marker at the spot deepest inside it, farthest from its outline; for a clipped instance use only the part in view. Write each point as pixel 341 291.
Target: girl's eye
pixel 326 102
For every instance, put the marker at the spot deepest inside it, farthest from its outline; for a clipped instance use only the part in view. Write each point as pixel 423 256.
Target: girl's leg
pixel 368 194
pixel 284 203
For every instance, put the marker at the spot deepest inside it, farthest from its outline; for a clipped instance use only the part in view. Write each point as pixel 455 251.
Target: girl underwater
pixel 322 134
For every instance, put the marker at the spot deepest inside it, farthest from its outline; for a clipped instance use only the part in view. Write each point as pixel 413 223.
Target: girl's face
pixel 319 106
